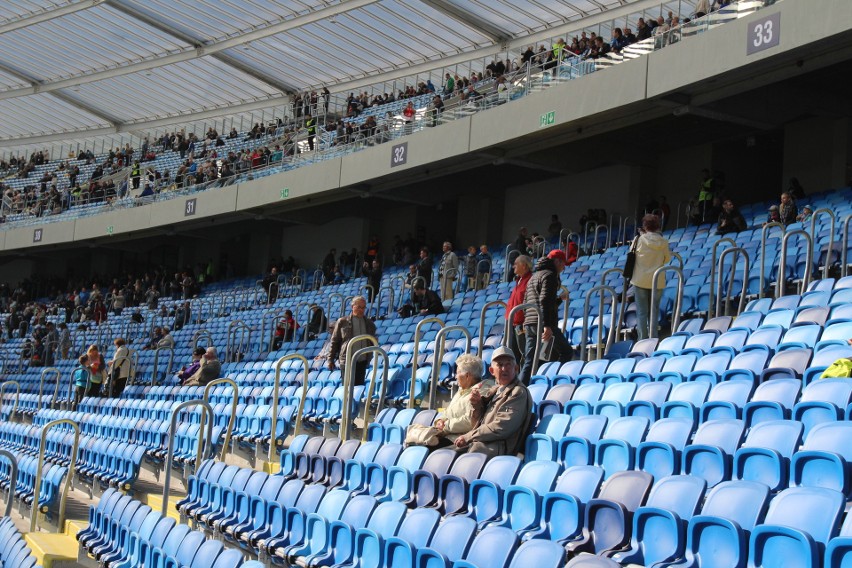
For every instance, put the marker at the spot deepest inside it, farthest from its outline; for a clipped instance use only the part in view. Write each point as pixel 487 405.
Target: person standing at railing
pixel 311 126
pixel 424 266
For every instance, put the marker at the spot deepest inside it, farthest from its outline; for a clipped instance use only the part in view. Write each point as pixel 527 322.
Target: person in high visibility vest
pixel 135 175
pixel 311 125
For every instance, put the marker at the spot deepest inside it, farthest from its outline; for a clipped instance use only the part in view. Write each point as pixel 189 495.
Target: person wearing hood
pixel 543 290
pixel 652 252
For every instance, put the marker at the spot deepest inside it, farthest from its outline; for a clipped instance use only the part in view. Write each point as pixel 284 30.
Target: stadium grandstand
pixel 425 283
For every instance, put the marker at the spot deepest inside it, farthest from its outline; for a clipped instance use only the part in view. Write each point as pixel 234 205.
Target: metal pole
pixel 170 451
pixel 371 387
pixel 417 331
pixel 17 386
pixel 13 479
pixel 72 462
pixel 763 233
pixel 713 272
pixel 482 322
pixel 678 300
pixel 231 420
pixel 54 371
pixel 585 333
pixel 844 270
pixel 736 251
pixel 509 328
pixel 833 217
pixel 782 264
pixel 565 306
pixel 348 370
pixel 276 388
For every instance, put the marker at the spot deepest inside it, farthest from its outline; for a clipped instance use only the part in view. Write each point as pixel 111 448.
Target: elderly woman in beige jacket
pixel 455 420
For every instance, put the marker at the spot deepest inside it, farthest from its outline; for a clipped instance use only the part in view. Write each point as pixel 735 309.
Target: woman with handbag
pixel 651 252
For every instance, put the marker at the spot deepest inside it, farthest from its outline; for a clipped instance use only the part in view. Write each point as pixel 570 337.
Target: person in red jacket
pixel 523 271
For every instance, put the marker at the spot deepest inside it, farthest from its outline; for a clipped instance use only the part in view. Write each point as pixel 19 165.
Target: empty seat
pixel 726 400
pixel 617 450
pixel 823 401
pixel 712 449
pixel 660 524
pixel 766 452
pixel 772 400
pixel 718 537
pixel 839 550
pixel 799 523
pixel 660 453
pixel 826 458
pixel 607 519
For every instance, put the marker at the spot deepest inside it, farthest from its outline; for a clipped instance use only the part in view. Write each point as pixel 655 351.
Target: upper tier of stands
pixel 390 124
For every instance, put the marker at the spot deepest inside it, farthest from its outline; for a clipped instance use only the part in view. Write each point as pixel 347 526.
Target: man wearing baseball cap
pixel 501 414
pixel 543 291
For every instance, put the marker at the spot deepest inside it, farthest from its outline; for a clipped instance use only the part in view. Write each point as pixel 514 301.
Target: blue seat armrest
pixel 808 547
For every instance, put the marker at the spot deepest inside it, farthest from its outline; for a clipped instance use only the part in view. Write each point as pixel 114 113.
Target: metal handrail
pixel 402 283
pixel 598 228
pixel 507 267
pixel 833 217
pixel 601 289
pixel 276 388
pixel 205 407
pixel 342 304
pixel 763 233
pixel 156 364
pixel 13 479
pixel 348 370
pixel 844 270
pixel 456 282
pixel 482 322
pixel 54 371
pixel 199 335
pixel 371 387
pixel 652 332
pixel 736 251
pixel 586 228
pixel 439 352
pixel 17 386
pixel 714 259
pixel 236 391
pixel 781 281
pixel 509 328
pixel 391 300
pixel 570 234
pixel 72 462
pixel 233 328
pixel 565 306
pixel 417 332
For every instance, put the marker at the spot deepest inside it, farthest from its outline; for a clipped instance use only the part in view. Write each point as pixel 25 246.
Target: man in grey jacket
pixel 502 414
pixel 448 271
pixel 347 328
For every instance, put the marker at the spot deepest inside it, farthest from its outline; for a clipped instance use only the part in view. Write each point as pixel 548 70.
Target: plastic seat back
pixel 799 523
pixel 493 547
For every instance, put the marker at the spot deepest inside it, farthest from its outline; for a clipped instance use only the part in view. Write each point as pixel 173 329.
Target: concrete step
pixel 53 550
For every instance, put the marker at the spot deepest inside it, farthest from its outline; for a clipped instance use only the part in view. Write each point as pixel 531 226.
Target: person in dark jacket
pixel 730 220
pixel 346 329
pixel 374 278
pixel 424 266
pixel 543 291
pixel 426 301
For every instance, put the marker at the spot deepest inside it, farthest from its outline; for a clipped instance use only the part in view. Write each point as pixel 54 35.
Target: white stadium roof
pixel 71 70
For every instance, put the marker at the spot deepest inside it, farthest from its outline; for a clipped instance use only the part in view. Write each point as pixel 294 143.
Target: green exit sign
pixel 547 119
pixel 285 193
pixel 110 229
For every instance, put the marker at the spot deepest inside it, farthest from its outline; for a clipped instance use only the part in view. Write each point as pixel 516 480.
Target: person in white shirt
pixel 456 418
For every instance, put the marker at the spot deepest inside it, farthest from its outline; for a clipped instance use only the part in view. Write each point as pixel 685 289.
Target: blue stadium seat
pixel 485 495
pixel 576 448
pixel 766 452
pixel 718 537
pixel 838 553
pixel 826 458
pixel 660 453
pixel 823 401
pixel 798 525
pixel 726 400
pixel 712 449
pixel 659 526
pixel 772 400
pixel 607 519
